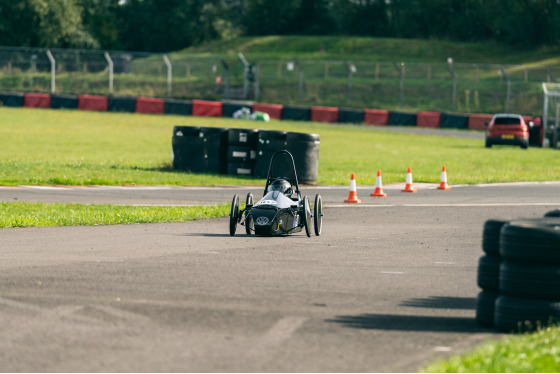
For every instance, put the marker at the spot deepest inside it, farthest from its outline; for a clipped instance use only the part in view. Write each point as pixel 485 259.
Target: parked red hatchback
pixel 509 129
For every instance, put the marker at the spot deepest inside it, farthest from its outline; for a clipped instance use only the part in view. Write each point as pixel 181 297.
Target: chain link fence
pixel 445 86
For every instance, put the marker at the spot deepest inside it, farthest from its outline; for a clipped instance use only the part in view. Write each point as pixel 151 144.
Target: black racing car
pixel 279 212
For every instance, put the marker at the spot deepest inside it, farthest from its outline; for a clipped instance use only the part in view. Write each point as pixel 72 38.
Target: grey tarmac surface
pixel 388 287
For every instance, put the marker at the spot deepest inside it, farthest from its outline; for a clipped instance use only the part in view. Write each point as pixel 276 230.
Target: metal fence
pixel 442 86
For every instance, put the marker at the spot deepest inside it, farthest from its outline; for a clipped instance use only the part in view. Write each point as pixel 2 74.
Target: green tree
pixel 156 26
pixel 43 23
pixel 100 19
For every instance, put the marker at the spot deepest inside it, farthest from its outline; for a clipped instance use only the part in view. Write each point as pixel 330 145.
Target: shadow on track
pixel 409 323
pixel 442 302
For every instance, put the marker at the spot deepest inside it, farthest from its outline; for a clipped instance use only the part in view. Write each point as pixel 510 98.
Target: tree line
pixel 167 25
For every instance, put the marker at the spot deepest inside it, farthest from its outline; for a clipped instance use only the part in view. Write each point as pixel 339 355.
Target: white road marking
pixel 442 349
pixel 280 332
pixel 436 205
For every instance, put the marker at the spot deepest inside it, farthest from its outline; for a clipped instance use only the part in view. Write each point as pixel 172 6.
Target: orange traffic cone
pixel 378 189
pixel 408 187
pixel 353 195
pixel 443 184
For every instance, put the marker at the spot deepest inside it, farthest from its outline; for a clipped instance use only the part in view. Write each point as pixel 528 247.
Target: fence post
pixel 53 70
pixel 245 74
pixel 508 95
pixel 169 74
pixel 454 95
pixel 110 65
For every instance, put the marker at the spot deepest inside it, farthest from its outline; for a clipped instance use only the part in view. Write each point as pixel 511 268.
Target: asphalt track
pixel 389 286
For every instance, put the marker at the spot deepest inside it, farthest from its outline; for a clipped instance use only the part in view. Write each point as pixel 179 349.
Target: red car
pixel 509 129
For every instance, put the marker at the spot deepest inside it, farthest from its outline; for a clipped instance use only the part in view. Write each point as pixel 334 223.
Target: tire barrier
pixel 241 151
pixel 485 302
pixel 535 241
pixel 489 273
pixel 402 119
pixel 428 119
pixel 11 99
pixel 296 113
pixel 518 314
pixel 37 100
pixel 530 281
pixel 269 142
pixel 305 149
pixel 478 121
pixel 273 110
pixel 454 121
pixel 205 108
pixel 121 104
pixel 350 115
pixel 491 236
pixel 376 116
pixel 93 102
pixel 324 114
pixel 179 107
pixel 197 149
pixel 528 277
pixel 149 105
pixel 64 101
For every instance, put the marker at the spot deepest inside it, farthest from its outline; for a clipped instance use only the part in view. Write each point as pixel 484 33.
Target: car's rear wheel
pixel 306 216
pixel 488 143
pixel 318 215
pixel 233 215
pixel 249 224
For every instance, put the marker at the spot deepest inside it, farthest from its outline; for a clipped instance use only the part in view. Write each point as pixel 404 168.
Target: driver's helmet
pixel 281 185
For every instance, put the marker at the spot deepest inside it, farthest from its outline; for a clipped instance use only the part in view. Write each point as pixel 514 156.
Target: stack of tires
pixel 241 151
pixel 197 149
pixel 244 151
pixel 526 270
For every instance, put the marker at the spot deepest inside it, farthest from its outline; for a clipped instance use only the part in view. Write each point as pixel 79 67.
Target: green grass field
pixel 22 214
pixel 538 352
pixel 62 147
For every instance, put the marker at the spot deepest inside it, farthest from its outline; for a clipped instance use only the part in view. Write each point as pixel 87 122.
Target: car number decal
pixel 267 202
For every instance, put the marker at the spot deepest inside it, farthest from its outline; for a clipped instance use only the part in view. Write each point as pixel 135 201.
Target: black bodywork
pixel 277 212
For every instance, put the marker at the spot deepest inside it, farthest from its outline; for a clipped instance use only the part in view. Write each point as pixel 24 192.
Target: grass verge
pixel 23 214
pixel 537 352
pixel 64 147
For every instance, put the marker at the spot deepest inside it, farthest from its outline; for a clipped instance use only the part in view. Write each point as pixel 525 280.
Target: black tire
pixel 488 277
pixel 530 281
pixel 553 213
pixel 491 236
pixel 488 144
pixel 516 314
pixel 485 306
pixel 524 145
pixel 249 224
pixel 306 216
pixel 318 215
pixel 234 215
pixel 531 241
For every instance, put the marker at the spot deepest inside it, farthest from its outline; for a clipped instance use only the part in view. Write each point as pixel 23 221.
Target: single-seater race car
pixel 279 212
